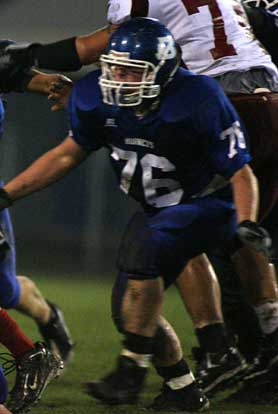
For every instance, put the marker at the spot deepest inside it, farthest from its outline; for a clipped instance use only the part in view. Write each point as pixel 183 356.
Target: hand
pixel 15 62
pixel 57 87
pixel 59 91
pixel 254 236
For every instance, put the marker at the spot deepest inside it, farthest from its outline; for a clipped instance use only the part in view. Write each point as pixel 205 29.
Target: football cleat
pixel 186 399
pixel 261 390
pixel 56 335
pixel 122 386
pixel 266 363
pixel 216 371
pixel 33 373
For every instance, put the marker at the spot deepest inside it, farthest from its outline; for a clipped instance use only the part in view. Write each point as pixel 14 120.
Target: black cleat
pixel 56 335
pixel 263 390
pixel 187 399
pixel 122 386
pixel 33 373
pixel 266 363
pixel 216 371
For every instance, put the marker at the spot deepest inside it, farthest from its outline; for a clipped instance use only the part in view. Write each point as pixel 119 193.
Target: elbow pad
pixel 60 55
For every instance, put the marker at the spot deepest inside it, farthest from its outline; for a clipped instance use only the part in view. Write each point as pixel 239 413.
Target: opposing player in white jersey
pixel 208 32
pixel 215 41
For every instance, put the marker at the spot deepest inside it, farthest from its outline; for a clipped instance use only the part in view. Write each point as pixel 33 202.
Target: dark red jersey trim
pixel 140 8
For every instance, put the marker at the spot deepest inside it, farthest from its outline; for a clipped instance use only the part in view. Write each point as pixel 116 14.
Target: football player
pixel 20 292
pixel 224 48
pixel 177 147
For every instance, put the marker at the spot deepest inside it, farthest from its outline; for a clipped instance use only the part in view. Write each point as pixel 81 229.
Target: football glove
pixel 15 62
pixel 5 200
pixel 252 235
pixel 3 242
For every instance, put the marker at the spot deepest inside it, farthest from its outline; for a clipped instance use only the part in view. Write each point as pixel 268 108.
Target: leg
pixel 142 305
pixel 240 319
pixel 136 306
pixel 155 245
pixel 32 361
pixel 48 316
pixel 257 275
pixel 258 279
pixel 22 294
pixel 180 390
pixel 200 292
pixel 31 302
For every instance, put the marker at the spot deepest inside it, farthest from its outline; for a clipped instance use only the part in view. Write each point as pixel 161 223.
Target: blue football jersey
pixel 188 147
pixel 2 114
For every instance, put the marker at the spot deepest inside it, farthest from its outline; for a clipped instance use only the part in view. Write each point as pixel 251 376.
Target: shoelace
pixel 8 363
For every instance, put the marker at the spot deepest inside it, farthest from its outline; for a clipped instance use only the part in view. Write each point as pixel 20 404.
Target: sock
pixel 139 348
pixel 142 360
pixel 267 314
pixel 12 336
pixel 212 338
pixel 176 376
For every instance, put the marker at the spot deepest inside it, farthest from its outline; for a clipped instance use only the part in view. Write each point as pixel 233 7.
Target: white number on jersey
pixel 236 138
pixel 222 47
pixel 150 185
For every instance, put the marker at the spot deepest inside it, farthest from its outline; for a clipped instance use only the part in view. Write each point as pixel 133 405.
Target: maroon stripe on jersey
pixel 140 8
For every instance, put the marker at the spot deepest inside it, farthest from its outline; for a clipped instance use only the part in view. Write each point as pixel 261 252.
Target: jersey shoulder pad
pixel 186 93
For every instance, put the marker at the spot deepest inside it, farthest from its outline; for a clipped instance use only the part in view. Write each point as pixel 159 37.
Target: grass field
pixel 86 304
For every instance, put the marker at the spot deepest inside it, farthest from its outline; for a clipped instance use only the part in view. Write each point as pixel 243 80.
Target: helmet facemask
pixel 122 93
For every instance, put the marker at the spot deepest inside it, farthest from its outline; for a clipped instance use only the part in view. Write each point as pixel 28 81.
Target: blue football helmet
pixel 143 45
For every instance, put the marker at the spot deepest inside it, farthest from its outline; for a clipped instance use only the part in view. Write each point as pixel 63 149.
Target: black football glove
pixel 252 235
pixel 19 53
pixel 4 245
pixel 15 62
pixel 5 200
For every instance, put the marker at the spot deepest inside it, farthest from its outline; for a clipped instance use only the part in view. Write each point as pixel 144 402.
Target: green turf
pixel 86 304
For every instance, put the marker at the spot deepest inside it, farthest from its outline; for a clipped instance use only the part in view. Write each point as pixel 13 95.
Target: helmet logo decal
pixel 166 48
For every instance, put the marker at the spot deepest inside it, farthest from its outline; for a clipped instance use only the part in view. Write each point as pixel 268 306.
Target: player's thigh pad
pixel 160 244
pixel 9 285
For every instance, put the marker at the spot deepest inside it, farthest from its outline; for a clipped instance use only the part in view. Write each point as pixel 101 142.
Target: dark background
pixel 75 225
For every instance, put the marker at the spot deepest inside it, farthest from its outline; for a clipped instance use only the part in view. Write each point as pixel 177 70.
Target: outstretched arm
pixel 90 47
pixel 50 167
pixel 246 195
pixel 65 55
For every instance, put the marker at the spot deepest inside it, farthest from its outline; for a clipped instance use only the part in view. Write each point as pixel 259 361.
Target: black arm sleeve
pixel 60 55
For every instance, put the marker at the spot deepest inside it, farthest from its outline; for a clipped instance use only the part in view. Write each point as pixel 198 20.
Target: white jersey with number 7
pixel 213 35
